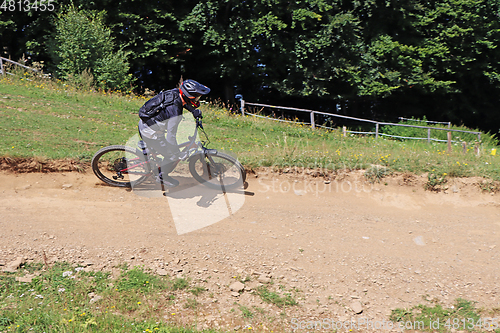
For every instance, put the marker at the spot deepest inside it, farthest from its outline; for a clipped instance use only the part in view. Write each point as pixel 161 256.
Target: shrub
pixel 83 48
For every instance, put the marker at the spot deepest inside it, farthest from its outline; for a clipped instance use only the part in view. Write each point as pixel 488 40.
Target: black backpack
pixel 158 103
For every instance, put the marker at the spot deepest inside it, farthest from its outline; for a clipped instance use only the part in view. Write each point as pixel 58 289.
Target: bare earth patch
pixel 24 165
pixel 340 246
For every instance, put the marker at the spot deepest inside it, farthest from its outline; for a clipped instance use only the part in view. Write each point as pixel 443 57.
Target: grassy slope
pixel 43 122
pixel 59 299
pixel 48 120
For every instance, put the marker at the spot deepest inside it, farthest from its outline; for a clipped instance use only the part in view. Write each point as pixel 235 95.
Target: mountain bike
pixel 125 166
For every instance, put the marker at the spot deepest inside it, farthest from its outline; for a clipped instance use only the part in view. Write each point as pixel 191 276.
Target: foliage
pixel 435 181
pixel 83 47
pixel 191 303
pixel 245 311
pixel 197 290
pixel 462 313
pixel 275 298
pixel 65 298
pixel 180 284
pixel 230 38
pixel 150 32
pixel 138 279
pixel 376 172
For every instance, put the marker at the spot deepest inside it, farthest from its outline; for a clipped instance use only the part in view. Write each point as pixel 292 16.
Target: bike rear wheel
pixel 217 170
pixel 120 166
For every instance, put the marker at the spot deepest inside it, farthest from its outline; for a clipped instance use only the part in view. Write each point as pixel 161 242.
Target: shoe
pixel 167 180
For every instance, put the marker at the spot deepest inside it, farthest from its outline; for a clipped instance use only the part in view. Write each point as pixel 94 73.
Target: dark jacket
pixel 165 121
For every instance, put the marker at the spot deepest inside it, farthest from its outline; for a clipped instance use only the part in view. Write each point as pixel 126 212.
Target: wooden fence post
pixel 449 142
pixel 429 135
pixel 376 130
pixel 464 147
pixel 1 66
pixel 242 107
pixel 313 125
pixel 344 131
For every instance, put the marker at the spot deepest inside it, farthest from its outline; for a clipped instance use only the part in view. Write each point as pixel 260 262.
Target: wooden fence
pixel 377 124
pixel 2 69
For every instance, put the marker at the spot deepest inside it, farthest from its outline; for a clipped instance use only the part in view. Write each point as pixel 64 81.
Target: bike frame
pixel 191 147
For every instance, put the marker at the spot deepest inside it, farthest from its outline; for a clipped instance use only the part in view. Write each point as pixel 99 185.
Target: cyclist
pixel 166 119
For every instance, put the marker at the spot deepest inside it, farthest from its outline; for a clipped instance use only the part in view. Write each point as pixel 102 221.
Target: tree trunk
pixel 229 93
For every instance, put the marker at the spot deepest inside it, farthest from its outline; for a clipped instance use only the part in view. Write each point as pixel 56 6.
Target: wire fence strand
pixel 377 133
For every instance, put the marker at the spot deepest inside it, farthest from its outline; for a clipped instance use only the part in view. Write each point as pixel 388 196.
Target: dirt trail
pixel 339 241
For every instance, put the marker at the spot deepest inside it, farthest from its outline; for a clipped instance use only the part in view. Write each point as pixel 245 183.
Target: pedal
pixel 118 176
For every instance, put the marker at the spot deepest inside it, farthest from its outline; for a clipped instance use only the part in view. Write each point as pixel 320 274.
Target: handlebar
pixel 199 124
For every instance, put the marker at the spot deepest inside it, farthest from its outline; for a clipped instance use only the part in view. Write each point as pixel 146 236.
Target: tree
pixel 468 34
pixel 23 33
pixel 83 43
pixel 223 38
pixel 434 58
pixel 148 30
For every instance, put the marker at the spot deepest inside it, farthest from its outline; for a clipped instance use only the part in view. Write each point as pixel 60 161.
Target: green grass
pixel 44 119
pixel 180 284
pixel 463 316
pixel 137 279
pixel 275 298
pixel 59 299
pixel 197 290
pixel 245 311
pixel 414 132
pixel 191 303
pixel 376 173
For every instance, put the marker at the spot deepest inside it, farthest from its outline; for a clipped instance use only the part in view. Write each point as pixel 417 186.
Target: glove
pixel 199 123
pixel 197 114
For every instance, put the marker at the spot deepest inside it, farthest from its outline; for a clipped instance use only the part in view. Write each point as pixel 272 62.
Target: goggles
pixel 195 101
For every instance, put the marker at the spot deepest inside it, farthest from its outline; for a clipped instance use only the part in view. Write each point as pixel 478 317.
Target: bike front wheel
pixel 120 166
pixel 217 170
